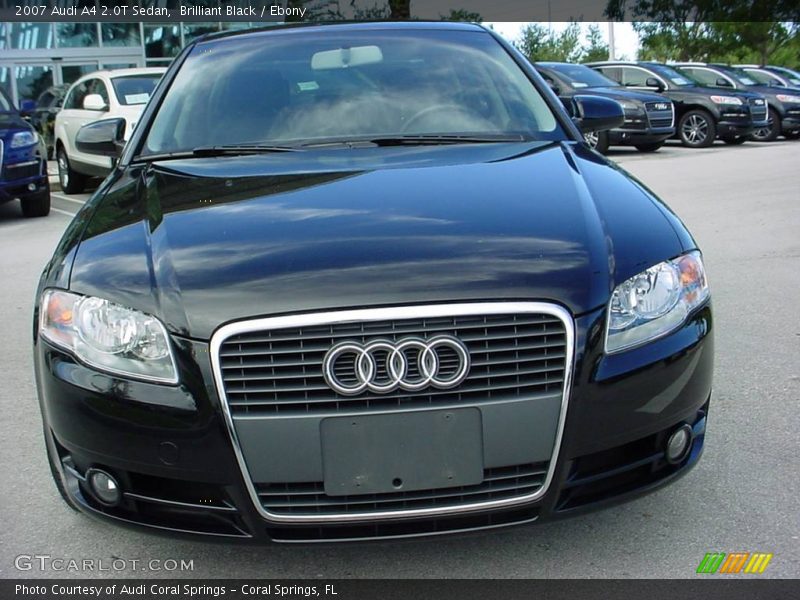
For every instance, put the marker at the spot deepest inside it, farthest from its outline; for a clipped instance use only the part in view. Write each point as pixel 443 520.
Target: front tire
pixel 71 181
pixel 597 140
pixel 772 130
pixel 649 147
pixel 36 206
pixel 697 129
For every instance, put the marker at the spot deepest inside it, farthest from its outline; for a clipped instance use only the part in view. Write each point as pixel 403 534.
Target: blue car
pixel 23 169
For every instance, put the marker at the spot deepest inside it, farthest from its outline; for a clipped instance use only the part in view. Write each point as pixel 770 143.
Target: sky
pixel 625 38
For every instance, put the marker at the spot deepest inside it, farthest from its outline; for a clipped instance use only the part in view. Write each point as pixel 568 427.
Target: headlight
pixel 24 138
pixel 787 98
pixel 628 105
pixel 732 100
pixel 108 336
pixel 655 301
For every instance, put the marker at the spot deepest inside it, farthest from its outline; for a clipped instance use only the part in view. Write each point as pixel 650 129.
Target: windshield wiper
pixel 416 140
pixel 413 140
pixel 239 149
pixel 211 151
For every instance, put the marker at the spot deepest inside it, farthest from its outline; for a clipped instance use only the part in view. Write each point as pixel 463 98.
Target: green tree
pixel 462 15
pixel 676 40
pixel 764 30
pixel 758 42
pixel 596 48
pixel 541 44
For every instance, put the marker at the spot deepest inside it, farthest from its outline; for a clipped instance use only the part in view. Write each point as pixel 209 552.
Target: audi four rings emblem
pixel 382 366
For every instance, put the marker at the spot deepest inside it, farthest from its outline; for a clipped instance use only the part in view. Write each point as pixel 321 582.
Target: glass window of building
pixel 4 27
pixel 32 81
pixel 121 34
pixel 5 80
pixel 193 30
pixel 28 36
pixel 76 35
pixel 71 73
pixel 111 66
pixel 162 41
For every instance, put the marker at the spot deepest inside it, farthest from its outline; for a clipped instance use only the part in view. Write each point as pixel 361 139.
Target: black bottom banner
pixel 387 589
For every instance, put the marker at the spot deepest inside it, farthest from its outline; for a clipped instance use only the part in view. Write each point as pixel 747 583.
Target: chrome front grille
pixel 280 370
pixel 658 115
pixel 268 373
pixel 758 111
pixel 310 498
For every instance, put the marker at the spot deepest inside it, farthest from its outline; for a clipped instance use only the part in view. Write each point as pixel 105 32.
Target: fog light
pixel 103 487
pixel 679 444
pixel 31 187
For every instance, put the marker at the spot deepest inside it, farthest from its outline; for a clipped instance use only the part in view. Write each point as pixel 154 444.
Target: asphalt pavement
pixel 743 205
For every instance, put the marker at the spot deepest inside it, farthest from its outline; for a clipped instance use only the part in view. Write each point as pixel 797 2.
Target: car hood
pixel 718 91
pixel 766 90
pixel 621 93
pixel 203 242
pixel 11 123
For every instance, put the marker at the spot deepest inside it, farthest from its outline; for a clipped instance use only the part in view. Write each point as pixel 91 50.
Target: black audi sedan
pixel 367 281
pixel 649 117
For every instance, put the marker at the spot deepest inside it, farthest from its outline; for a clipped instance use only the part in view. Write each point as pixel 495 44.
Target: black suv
pixel 783 102
pixel 649 117
pixel 703 113
pixel 384 290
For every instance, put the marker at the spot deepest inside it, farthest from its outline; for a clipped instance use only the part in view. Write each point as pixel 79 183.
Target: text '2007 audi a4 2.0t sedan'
pixel 367 281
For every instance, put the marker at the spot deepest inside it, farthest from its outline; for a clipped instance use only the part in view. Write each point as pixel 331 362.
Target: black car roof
pixel 346 26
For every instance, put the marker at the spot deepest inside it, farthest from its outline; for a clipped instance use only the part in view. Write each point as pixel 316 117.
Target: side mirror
pixel 26 107
pixel 654 83
pixel 722 82
pixel 94 102
pixel 102 138
pixel 595 113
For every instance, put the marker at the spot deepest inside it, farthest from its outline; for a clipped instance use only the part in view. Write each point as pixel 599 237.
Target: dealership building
pixel 36 56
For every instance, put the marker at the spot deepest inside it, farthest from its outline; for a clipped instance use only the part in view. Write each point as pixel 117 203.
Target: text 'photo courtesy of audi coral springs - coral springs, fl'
pixel 368 281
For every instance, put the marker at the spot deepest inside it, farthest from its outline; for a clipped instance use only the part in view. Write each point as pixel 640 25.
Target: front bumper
pixel 633 137
pixel 791 122
pixel 22 176
pixel 736 128
pixel 171 451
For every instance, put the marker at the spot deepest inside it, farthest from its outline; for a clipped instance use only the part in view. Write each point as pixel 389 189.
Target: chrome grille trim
pixel 660 118
pixel 283 370
pixel 758 112
pixel 292 498
pixel 381 314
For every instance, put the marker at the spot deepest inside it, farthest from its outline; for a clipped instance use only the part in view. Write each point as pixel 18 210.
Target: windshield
pixel 289 88
pixel 580 76
pixel 135 89
pixel 675 77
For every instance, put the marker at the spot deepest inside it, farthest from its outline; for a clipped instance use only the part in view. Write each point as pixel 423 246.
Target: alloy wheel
pixel 63 170
pixel 764 133
pixel 591 138
pixel 695 129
